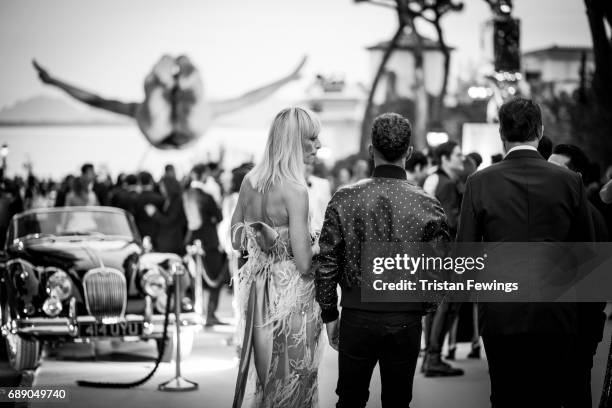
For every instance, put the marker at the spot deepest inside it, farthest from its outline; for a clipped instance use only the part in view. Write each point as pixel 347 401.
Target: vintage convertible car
pixel 82 273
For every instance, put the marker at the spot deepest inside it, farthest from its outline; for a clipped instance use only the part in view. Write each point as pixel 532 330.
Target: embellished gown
pixel 281 327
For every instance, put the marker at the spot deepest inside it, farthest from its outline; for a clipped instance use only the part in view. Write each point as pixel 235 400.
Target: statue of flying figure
pixel 174 113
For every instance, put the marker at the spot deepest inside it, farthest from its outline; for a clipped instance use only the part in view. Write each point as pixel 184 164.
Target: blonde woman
pixel 280 322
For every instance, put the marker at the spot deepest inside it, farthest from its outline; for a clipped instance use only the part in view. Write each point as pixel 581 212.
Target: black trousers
pixel 390 338
pixel 529 370
pixel 438 324
pixel 579 393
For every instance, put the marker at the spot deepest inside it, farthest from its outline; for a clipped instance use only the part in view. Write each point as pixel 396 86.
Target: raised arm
pixel 122 108
pixel 230 105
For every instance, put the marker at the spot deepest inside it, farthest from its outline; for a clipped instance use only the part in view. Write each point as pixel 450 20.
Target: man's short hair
pixel 496 158
pixel 476 157
pixel 131 180
pixel 391 134
pixel 520 120
pixel 415 159
pixel 199 169
pixel 145 178
pixel 86 167
pixel 578 160
pixel 445 150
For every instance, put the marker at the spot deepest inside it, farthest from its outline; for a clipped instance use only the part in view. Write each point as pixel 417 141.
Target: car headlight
pixel 153 283
pixel 59 284
pixel 52 306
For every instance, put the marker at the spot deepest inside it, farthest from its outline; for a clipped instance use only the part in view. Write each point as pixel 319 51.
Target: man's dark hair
pixel 145 178
pixel 496 158
pixel 120 180
pixel 86 167
pixel 476 157
pixel 545 147
pixel 445 150
pixel 168 167
pixel 199 169
pixel 391 135
pixel 131 180
pixel 578 160
pixel 520 120
pixel 415 159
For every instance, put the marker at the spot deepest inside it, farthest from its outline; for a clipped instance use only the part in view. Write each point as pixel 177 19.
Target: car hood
pixel 80 254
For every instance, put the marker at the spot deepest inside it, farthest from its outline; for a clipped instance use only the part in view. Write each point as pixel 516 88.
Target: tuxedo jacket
pixel 203 215
pixel 524 198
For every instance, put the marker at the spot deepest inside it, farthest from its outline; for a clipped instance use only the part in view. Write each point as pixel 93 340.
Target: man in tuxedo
pixel 148 226
pixel 524 198
pixel 125 196
pixel 384 208
pixel 591 316
pixel 203 215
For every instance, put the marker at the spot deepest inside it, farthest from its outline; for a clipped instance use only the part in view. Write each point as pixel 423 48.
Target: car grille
pixel 105 293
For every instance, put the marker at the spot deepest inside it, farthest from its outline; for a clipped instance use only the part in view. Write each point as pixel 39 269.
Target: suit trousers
pixel 529 369
pixel 391 339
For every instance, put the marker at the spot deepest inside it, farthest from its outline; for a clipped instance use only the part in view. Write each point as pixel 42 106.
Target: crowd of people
pixel 231 219
pixel 539 354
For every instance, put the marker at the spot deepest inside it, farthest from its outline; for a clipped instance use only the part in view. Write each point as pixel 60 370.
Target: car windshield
pixel 70 221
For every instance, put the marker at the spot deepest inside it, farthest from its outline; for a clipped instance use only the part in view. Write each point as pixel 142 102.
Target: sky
pixel 108 46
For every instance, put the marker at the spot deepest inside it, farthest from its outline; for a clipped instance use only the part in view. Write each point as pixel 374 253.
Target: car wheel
pixel 187 340
pixel 23 354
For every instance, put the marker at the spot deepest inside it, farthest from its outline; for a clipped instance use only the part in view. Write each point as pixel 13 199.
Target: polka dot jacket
pixel 384 208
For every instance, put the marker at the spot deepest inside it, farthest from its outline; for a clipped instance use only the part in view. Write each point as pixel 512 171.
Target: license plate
pixel 121 329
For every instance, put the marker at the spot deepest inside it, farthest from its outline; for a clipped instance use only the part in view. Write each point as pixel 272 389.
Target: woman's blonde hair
pixel 283 158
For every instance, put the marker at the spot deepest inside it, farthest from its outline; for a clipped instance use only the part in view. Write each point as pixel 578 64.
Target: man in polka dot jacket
pixel 383 208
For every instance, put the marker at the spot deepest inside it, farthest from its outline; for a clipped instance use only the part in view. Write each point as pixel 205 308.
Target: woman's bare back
pixel 269 208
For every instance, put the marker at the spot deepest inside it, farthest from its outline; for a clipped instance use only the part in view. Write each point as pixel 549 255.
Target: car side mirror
pixel 147 244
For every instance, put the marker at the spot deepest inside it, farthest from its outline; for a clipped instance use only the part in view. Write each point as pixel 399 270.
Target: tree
pixel 599 14
pixel 408 12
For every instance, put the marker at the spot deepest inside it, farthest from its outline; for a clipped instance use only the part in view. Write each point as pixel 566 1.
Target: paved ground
pixel 213 366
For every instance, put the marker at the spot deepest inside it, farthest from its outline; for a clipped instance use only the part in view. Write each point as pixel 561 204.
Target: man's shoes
pixel 435 367
pixel 214 321
pixel 451 353
pixel 424 363
pixel 475 353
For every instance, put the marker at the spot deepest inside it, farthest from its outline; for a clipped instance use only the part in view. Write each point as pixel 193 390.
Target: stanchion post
pixel 178 383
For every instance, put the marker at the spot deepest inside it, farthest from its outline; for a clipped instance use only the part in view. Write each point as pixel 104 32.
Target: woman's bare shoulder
pixel 294 193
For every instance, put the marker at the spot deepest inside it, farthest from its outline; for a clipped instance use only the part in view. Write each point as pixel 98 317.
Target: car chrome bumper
pixel 62 326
